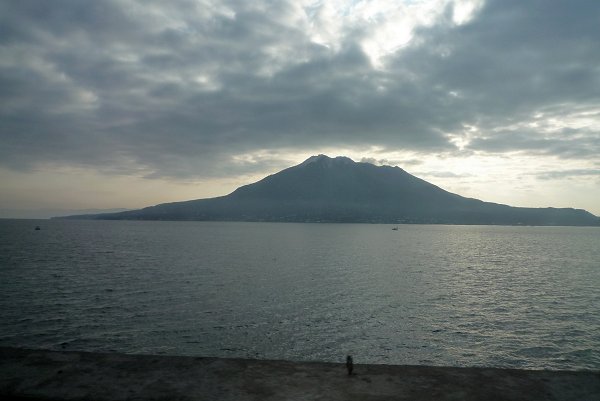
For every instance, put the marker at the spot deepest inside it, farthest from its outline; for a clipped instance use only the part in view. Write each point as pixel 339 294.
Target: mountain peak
pixel 324 159
pixel 325 189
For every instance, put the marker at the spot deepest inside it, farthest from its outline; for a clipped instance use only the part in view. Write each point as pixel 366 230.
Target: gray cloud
pixel 561 174
pixel 443 174
pixel 176 89
pixel 566 143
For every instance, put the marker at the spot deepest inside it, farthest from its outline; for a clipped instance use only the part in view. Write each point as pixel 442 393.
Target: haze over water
pixel 520 297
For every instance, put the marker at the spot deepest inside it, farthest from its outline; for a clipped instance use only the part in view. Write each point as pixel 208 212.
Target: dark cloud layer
pixel 176 88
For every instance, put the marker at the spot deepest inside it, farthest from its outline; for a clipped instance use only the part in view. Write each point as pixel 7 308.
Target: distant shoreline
pixel 80 218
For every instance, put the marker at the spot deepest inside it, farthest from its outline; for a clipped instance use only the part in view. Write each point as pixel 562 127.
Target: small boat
pixel 395 229
pixel 37 228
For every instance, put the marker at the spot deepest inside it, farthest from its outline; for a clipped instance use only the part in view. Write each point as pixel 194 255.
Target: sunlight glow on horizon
pixel 513 180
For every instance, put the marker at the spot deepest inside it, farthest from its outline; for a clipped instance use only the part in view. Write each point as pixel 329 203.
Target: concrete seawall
pixel 51 375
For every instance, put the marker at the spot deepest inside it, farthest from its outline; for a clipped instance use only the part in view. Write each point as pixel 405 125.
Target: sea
pixel 443 295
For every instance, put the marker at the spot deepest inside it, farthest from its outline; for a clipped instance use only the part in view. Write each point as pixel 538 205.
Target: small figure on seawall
pixel 349 365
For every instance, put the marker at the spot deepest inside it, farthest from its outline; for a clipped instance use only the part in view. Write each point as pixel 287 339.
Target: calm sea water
pixel 521 297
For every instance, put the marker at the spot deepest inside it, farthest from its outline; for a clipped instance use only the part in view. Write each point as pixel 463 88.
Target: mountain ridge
pixel 324 189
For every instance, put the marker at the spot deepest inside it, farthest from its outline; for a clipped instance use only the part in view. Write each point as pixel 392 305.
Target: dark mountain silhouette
pixel 323 189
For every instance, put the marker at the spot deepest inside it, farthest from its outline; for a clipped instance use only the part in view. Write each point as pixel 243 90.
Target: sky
pixel 114 104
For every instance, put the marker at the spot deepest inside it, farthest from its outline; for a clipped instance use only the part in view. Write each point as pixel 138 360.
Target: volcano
pixel 339 190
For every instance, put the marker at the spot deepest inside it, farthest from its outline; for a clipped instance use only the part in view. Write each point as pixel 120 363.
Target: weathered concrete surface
pixel 50 375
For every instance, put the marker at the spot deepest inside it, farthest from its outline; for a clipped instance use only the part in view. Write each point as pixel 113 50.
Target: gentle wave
pixel 521 297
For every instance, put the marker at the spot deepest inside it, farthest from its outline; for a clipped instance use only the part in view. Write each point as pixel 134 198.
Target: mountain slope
pixel 323 189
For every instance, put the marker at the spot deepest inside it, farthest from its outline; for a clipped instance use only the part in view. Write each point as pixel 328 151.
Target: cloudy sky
pixel 130 103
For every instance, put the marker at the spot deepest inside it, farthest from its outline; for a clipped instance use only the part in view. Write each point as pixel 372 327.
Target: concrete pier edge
pixel 28 374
